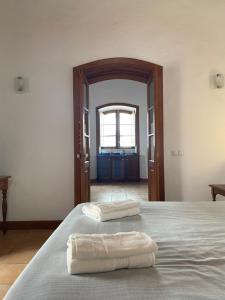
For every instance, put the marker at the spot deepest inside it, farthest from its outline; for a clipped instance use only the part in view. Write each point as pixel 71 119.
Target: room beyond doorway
pixel 118 131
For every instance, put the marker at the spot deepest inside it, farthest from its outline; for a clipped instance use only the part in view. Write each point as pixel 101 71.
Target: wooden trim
pixel 103 77
pixel 118 68
pixel 14 225
pixel 159 128
pixel 115 68
pixel 77 133
pixel 156 159
pixel 137 132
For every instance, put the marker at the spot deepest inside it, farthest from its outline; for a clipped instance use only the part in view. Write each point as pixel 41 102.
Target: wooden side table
pixel 217 189
pixel 4 187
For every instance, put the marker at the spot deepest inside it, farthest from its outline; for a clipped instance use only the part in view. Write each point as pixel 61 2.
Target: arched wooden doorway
pixel 118 68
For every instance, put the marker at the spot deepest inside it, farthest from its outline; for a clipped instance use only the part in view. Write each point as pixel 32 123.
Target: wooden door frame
pixel 119 68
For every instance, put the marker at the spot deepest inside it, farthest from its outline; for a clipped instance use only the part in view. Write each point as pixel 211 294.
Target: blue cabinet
pixel 118 168
pixel 104 168
pixel 118 171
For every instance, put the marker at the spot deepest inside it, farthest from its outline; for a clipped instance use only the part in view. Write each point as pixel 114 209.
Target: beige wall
pixel 43 40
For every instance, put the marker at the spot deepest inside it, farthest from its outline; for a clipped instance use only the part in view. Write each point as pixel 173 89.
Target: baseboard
pixel 93 181
pixel 14 225
pixel 144 180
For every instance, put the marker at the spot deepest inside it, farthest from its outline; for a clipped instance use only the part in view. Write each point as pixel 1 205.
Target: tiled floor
pixel 17 248
pixel 119 191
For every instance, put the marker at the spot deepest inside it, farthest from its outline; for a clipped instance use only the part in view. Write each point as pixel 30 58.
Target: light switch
pixel 174 152
pixel 177 152
pixel 180 153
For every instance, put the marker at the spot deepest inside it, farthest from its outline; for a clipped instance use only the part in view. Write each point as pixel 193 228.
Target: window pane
pixel 127 141
pixel 109 118
pixel 151 94
pixel 126 130
pixel 126 118
pixel 108 141
pixel 151 121
pixel 86 148
pixel 108 130
pixel 85 95
pixel 86 122
pixel 152 147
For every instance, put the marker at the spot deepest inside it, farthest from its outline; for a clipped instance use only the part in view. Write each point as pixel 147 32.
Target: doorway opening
pixel 118 140
pixel 116 154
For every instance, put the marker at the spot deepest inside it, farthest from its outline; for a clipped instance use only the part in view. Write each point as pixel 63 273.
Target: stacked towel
pixel 102 211
pixel 92 253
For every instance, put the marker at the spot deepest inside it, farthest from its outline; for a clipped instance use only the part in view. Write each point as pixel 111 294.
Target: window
pixel 108 129
pixel 117 126
pixel 126 129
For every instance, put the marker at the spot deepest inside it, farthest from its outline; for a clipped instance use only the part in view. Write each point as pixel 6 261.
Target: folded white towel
pixel 109 211
pixel 111 215
pixel 76 266
pixel 105 207
pixel 92 246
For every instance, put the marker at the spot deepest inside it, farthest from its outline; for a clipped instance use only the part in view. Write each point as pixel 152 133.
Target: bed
pixel 190 261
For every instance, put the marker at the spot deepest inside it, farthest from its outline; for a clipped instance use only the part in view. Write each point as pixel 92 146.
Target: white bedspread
pixel 190 263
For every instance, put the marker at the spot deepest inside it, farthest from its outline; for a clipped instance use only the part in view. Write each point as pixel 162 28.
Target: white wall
pixel 43 40
pixel 121 91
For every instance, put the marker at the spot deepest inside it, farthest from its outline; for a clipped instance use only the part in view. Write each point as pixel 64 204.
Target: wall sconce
pixel 20 84
pixel 219 81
